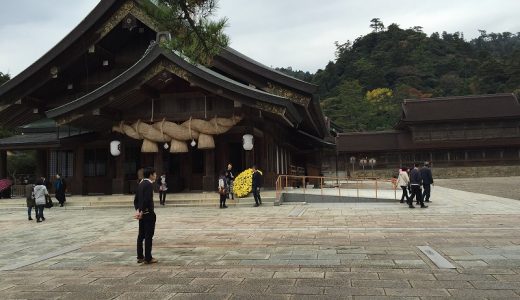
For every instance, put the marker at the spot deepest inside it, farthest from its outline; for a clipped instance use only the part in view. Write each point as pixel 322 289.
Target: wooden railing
pixel 306 182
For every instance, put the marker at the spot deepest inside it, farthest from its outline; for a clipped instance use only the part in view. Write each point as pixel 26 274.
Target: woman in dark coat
pixel 59 187
pixel 30 199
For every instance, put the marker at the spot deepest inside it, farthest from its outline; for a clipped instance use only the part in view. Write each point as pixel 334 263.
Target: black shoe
pixel 411 206
pixel 256 205
pixel 43 219
pixel 401 201
pixel 424 206
pixel 426 200
pixel 61 204
pixel 151 261
pixel 30 219
pixel 225 206
pixel 140 260
pixel 38 221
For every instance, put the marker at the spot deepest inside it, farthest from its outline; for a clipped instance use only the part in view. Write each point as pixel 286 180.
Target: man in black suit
pixel 415 183
pixel 257 183
pixel 427 180
pixel 143 203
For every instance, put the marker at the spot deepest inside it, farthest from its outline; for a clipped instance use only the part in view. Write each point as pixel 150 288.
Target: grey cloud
pixel 278 33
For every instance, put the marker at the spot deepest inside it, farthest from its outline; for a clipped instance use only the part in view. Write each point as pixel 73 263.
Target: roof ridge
pixel 447 98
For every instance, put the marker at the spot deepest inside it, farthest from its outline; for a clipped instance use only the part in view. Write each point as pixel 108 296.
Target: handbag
pixel 222 191
pixel 48 201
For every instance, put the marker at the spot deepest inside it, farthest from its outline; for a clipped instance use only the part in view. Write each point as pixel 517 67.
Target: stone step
pixel 127 201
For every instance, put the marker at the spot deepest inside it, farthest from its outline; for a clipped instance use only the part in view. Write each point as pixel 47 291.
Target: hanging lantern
pixel 247 141
pixel 166 146
pixel 115 148
pixel 193 143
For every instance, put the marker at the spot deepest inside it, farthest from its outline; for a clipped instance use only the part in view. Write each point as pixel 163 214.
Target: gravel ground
pixel 507 187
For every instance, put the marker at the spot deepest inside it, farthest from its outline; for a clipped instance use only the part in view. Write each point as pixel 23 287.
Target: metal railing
pixel 306 183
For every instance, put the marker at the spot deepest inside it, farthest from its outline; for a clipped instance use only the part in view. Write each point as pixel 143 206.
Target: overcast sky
pixel 278 33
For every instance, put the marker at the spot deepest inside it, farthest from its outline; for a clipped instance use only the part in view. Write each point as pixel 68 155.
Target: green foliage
pixel 4 78
pixel 23 162
pixel 194 34
pixel 412 65
pixel 305 76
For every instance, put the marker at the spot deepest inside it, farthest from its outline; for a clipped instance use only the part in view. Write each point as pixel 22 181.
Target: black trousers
pixel 416 192
pixel 405 193
pixel 61 197
pixel 39 211
pixel 146 232
pixel 256 194
pixel 427 191
pixel 162 197
pixel 223 198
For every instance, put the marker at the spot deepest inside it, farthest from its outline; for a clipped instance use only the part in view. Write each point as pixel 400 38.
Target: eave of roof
pixel 65 43
pixel 199 71
pixel 252 65
pixel 459 108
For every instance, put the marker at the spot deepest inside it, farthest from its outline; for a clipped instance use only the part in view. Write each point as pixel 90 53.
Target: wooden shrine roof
pixel 90 31
pixel 475 107
pixel 160 60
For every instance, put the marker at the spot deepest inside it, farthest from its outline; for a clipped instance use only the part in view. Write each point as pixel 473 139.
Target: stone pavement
pixel 507 187
pixel 315 251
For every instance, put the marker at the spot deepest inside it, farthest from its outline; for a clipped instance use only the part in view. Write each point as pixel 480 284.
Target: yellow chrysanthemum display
pixel 242 185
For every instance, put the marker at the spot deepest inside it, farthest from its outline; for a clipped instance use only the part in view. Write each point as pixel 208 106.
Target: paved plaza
pixel 293 251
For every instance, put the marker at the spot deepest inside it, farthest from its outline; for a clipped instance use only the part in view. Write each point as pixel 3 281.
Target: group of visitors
pixel 411 181
pixel 226 183
pixel 37 196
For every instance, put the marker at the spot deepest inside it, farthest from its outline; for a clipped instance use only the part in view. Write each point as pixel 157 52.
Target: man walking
pixel 415 183
pixel 427 180
pixel 143 203
pixel 256 184
pixel 60 186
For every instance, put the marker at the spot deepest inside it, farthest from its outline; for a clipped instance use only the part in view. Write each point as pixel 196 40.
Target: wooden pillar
pixel 3 163
pixel 158 162
pixel 118 180
pixel 250 158
pixel 80 186
pixel 209 178
pixel 41 163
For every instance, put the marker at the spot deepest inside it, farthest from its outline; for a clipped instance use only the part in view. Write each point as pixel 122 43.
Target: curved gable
pixel 97 24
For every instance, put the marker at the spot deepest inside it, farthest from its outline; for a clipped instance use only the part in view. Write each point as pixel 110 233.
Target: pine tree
pixel 194 34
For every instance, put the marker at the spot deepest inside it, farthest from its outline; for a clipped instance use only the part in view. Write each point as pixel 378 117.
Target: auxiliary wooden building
pixel 452 132
pixel 107 82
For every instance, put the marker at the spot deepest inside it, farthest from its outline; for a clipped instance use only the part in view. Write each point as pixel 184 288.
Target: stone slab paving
pixel 325 251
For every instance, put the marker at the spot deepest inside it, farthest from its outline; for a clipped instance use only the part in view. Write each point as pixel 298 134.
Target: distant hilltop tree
pixel 363 88
pixel 4 78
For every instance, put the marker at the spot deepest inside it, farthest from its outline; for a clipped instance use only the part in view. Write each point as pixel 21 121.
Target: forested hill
pixel 365 85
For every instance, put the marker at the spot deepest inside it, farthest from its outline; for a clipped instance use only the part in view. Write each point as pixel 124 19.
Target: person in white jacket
pixel 39 193
pixel 403 181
